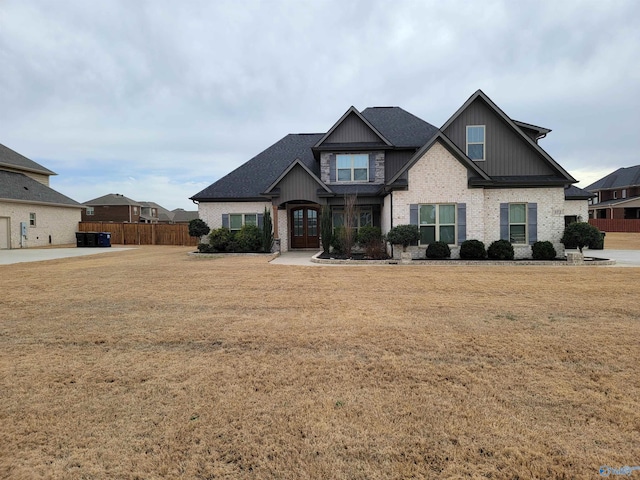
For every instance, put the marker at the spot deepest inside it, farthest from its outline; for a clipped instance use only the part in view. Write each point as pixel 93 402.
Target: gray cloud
pixel 179 93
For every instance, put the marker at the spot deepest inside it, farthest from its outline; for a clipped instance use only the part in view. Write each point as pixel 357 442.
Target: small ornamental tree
pixel 198 228
pixel 267 231
pixel 404 235
pixel 579 235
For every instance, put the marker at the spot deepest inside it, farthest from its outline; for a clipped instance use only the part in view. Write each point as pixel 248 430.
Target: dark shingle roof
pixel 575 193
pixel 355 189
pixel 255 176
pixel 400 127
pixel 12 159
pixel 112 199
pixel 623 177
pixel 180 215
pixel 20 187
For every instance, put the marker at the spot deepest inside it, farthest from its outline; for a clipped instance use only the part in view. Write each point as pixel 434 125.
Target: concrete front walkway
pixel 296 257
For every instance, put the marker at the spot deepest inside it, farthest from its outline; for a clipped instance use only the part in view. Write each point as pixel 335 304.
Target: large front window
pixel 437 223
pixel 237 220
pixel 363 217
pixel 475 142
pixel 518 223
pixel 353 167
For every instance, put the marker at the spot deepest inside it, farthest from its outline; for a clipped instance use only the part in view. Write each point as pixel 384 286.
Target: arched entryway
pixel 305 231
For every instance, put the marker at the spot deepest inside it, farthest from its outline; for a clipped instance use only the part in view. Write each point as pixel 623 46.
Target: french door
pixel 304 228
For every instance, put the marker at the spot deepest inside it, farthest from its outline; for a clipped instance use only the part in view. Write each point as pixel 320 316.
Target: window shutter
pixel 332 167
pixel 260 220
pixel 372 167
pixel 532 219
pixel 462 222
pixel 504 221
pixel 413 214
pixel 225 220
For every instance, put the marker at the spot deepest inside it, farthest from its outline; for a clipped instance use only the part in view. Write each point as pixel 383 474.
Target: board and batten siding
pixel 506 152
pixel 298 185
pixel 353 130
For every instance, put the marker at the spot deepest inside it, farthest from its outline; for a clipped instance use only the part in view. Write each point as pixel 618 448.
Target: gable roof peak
pixel 352 111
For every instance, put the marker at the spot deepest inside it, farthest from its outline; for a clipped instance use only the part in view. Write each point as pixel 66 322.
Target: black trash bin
pixel 91 239
pixel 81 239
pixel 104 239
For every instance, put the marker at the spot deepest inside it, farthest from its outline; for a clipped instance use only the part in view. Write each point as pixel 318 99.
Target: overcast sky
pixel 156 100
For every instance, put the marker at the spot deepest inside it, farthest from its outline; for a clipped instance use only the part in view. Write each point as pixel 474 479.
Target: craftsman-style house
pixel 482 176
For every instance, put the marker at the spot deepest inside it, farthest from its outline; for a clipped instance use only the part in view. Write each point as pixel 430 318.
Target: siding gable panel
pixel 506 152
pixel 353 130
pixel 298 185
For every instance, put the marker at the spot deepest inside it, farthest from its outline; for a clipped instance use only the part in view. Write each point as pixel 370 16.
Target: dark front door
pixel 304 228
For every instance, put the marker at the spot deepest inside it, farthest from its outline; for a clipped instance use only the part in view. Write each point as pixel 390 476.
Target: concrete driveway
pixel 21 255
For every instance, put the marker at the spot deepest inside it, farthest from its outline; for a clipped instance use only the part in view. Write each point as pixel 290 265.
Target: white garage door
pixel 4 232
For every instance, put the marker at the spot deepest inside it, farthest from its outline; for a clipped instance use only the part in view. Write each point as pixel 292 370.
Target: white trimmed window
pixel 624 193
pixel 238 220
pixel 352 167
pixel 518 223
pixel 32 219
pixel 437 223
pixel 89 211
pixel 475 142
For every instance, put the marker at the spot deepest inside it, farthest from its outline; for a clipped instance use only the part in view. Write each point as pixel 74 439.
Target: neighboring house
pixel 32 214
pixel 482 176
pixel 616 196
pixel 113 207
pixel 149 212
pixel 184 216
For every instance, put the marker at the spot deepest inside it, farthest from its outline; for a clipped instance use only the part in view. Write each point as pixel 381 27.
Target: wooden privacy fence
pixel 142 233
pixel 631 225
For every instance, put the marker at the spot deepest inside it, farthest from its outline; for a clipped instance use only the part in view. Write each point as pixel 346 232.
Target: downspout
pixel 129 213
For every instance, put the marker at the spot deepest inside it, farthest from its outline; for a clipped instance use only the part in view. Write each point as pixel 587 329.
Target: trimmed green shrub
pixel 221 239
pixel 438 250
pixel 205 248
pixel 543 251
pixel 249 239
pixel 500 250
pixel 579 235
pixel 473 250
pixel 198 228
pixel 370 238
pixel 599 244
pixel 368 235
pixel 404 235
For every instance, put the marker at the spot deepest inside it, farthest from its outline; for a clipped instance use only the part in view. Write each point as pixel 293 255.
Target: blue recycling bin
pixel 103 239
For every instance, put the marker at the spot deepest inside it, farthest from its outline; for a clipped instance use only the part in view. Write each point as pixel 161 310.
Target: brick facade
pixel 54 225
pixel 438 177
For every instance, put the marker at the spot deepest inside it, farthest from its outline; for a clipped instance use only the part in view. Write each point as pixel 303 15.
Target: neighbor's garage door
pixel 4 232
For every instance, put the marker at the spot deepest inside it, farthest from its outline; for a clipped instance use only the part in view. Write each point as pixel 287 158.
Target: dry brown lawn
pixel 154 364
pixel 622 241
